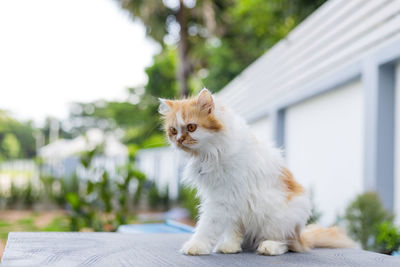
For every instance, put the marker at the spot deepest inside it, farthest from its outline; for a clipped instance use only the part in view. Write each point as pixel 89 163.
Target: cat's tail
pixel 315 236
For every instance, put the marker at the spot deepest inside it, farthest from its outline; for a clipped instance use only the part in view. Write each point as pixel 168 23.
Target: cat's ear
pixel 205 101
pixel 165 106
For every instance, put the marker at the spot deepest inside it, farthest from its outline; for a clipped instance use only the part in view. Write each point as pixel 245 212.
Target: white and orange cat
pixel 249 199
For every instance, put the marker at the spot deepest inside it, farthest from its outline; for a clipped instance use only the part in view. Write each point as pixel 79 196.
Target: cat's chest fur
pixel 219 177
pixel 202 170
pixel 221 168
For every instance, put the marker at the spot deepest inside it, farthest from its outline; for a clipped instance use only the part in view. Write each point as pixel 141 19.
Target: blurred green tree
pixel 11 146
pixel 161 75
pixel 16 138
pixel 217 39
pixel 185 22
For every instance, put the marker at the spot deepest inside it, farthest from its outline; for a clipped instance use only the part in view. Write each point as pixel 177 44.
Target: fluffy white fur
pixel 243 201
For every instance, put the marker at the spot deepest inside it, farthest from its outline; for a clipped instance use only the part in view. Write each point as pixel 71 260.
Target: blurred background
pixel 81 144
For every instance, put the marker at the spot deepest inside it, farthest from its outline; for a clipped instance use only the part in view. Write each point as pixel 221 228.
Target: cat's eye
pixel 191 127
pixel 173 130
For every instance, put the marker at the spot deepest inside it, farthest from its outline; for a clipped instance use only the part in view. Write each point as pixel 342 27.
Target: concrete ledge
pixel 113 249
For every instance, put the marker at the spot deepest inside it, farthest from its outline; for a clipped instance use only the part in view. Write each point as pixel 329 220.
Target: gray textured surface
pixel 112 249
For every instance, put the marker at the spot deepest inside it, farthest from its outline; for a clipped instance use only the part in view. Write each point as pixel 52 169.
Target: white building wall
pixel 263 129
pixel 324 147
pixel 397 144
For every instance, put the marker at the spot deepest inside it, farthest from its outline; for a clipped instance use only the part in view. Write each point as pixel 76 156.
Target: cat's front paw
pixel 195 247
pixel 229 248
pixel 272 248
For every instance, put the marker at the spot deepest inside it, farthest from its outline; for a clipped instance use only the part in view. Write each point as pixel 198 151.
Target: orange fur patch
pixel 293 187
pixel 319 237
pixel 298 244
pixel 315 236
pixel 191 113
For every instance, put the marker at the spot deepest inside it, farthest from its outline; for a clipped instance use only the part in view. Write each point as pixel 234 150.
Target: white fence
pixel 19 173
pixel 163 166
pixel 22 172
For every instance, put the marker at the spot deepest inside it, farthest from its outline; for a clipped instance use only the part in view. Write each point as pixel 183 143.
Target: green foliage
pixel 55 190
pixel 11 146
pixel 162 75
pixel 156 140
pixel 222 66
pixel 20 196
pixel 157 199
pixel 16 138
pixel 58 224
pixel 153 13
pixel 101 203
pixel 87 156
pixel 388 237
pixel 363 217
pixel 189 200
pixel 315 213
pixel 222 36
pixel 105 203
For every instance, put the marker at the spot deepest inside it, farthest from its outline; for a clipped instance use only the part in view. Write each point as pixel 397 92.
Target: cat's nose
pixel 180 140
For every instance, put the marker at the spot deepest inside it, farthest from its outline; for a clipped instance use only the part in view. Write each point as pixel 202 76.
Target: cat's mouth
pixel 180 145
pixel 185 148
pixel 186 143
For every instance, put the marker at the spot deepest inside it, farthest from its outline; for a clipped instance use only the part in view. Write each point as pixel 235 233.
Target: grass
pixel 58 224
pixel 4 224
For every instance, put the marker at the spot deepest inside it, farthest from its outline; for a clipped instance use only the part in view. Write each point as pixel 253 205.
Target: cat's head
pixel 190 124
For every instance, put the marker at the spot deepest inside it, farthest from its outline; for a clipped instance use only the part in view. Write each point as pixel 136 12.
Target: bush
pixel 388 238
pixel 364 216
pixel 315 213
pixel 189 200
pixel 157 199
pixel 104 202
pixel 20 196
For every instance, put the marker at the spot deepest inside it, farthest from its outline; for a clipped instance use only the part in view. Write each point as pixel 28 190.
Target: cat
pixel 249 199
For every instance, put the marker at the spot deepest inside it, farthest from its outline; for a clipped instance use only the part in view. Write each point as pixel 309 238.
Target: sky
pixel 55 52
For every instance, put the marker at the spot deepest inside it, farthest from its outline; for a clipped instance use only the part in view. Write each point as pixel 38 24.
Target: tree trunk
pixel 184 66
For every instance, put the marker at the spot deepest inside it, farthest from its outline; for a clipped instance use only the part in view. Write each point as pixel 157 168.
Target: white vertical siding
pixel 169 171
pixel 397 144
pixel 163 166
pixel 146 164
pixel 324 147
pixel 263 129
